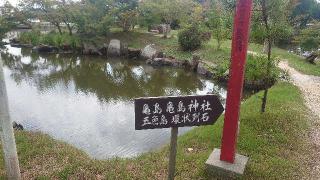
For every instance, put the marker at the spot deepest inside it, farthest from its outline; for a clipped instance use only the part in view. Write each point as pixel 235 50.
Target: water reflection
pixel 88 101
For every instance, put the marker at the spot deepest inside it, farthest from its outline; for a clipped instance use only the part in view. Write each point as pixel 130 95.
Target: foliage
pixel 309 38
pixel 257 72
pixel 31 37
pixel 6 19
pixel 304 12
pixel 147 15
pixel 87 16
pixel 217 22
pixel 4 27
pixel 190 38
pixel 167 11
pixel 52 39
pixel 222 69
pixel 277 13
pixel 125 13
pixel 44 10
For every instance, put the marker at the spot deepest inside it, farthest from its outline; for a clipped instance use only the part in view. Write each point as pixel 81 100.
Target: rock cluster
pixel 156 58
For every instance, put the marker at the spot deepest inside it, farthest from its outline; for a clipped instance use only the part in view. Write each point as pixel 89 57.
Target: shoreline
pixel 42 156
pixel 156 58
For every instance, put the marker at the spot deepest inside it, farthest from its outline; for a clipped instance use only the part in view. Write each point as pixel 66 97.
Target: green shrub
pixel 190 38
pixel 52 39
pixel 48 39
pixel 31 37
pixel 257 73
pixel 222 69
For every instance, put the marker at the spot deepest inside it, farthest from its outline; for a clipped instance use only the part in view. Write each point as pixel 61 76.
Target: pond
pixel 88 101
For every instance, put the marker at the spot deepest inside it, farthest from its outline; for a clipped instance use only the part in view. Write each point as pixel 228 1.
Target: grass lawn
pixel 295 61
pixel 140 38
pixel 275 141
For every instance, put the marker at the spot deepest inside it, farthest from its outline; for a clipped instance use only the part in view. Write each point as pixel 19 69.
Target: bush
pixel 31 37
pixel 221 70
pixel 52 39
pixel 257 74
pixel 48 39
pixel 190 38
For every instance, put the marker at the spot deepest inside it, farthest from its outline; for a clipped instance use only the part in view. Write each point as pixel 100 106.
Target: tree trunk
pixel 58 27
pixel 69 28
pixel 264 101
pixel 268 40
pixel 265 46
pixel 219 44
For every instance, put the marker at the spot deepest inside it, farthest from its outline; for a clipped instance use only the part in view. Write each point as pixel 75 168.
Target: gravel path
pixel 310 87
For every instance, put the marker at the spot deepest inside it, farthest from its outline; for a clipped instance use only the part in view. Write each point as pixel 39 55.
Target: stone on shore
pixel 90 49
pixel 114 48
pixel 206 69
pixel 149 52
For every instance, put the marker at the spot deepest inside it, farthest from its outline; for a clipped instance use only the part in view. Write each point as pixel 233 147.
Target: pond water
pixel 88 101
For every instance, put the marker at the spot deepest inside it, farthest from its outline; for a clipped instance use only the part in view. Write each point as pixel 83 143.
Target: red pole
pixel 238 57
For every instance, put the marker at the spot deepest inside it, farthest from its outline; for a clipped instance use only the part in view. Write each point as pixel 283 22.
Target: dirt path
pixel 310 87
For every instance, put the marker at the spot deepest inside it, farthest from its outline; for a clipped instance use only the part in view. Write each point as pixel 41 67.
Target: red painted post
pixel 238 56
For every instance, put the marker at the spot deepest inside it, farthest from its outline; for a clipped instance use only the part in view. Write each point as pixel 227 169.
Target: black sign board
pixel 165 112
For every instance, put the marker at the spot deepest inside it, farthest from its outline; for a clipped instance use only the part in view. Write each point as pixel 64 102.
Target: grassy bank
pixel 275 142
pixel 140 38
pixel 208 51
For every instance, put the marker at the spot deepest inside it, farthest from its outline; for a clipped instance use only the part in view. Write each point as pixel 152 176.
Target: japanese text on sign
pixel 164 112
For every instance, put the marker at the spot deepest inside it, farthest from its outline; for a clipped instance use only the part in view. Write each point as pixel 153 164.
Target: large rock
pixel 114 48
pixel 149 52
pixel 205 69
pixel 90 49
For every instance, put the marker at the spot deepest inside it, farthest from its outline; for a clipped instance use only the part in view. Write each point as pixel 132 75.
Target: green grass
pixel 276 143
pixel 140 38
pixel 54 39
pixel 295 61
